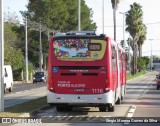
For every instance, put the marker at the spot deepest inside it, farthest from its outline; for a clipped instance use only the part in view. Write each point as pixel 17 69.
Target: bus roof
pixel 79 34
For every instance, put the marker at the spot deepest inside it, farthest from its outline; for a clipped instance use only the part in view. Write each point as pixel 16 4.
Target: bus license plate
pixel 79 100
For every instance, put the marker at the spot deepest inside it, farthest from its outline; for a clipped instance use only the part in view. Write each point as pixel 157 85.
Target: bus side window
pixel 114 66
pixel 6 74
pixel 123 60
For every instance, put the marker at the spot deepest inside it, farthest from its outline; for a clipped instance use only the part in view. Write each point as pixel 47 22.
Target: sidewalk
pixel 21 82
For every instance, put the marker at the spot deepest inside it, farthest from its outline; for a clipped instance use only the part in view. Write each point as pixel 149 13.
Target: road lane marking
pixel 131 111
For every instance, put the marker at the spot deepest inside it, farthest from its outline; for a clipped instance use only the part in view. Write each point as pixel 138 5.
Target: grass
pixel 129 76
pixel 27 107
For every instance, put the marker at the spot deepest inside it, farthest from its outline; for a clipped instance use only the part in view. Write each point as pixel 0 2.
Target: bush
pixel 17 75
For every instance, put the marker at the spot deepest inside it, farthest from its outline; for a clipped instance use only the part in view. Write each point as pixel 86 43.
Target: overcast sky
pixel 151 18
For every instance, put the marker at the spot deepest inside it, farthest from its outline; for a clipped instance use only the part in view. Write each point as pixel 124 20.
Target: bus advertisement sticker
pixel 95 55
pixel 55 69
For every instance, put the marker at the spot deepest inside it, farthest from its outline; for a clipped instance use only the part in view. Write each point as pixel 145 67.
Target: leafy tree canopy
pixel 60 15
pixel 12 55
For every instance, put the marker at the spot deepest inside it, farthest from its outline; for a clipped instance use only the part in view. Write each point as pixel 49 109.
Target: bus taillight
pixel 50 86
pixel 103 70
pixel 107 90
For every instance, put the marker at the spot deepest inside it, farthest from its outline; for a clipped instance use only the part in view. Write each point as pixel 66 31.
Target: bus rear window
pixel 79 49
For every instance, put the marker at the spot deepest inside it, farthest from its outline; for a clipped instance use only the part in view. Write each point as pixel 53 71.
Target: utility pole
pixel 1 58
pixel 26 53
pixel 103 16
pixel 129 55
pixel 114 18
pixel 151 55
pixel 79 15
pixel 40 48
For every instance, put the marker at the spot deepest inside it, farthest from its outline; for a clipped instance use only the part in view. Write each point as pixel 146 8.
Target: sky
pixel 151 19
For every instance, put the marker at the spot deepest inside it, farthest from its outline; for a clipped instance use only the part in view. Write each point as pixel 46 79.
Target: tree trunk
pixel 140 50
pixel 133 64
pixel 135 47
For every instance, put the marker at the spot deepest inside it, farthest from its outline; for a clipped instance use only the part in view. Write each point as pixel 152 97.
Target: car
pixel 8 78
pixel 39 77
pixel 158 81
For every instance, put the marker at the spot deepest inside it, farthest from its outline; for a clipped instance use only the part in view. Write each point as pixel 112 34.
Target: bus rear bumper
pixel 79 99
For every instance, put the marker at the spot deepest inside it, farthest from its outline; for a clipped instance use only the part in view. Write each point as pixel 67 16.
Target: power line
pixel 152 23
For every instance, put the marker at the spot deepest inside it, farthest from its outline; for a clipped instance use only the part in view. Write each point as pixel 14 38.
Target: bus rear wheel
pixel 69 108
pixel 111 108
pixel 119 101
pixel 102 108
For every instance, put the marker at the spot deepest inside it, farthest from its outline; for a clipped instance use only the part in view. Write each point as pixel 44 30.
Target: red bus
pixel 85 69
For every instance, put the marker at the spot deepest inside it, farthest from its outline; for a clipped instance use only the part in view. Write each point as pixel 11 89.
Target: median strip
pixel 24 109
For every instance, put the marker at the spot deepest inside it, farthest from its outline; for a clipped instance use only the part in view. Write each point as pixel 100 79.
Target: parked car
pixel 39 77
pixel 158 81
pixel 8 78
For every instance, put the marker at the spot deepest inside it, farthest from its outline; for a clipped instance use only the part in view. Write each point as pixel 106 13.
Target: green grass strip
pixel 26 107
pixel 129 76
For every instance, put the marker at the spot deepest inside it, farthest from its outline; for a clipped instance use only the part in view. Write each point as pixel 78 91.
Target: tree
pixel 134 25
pixel 122 43
pixel 10 36
pixel 55 15
pixel 141 40
pixel 114 6
pixel 12 55
pixel 86 17
pixel 141 64
pixel 156 59
pixel 60 15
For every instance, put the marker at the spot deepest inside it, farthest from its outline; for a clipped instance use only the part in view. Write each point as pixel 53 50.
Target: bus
pixel 85 69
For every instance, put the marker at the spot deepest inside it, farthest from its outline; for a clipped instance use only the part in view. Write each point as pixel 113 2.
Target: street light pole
pixel 40 48
pixel 79 15
pixel 151 55
pixel 1 58
pixel 103 16
pixel 26 53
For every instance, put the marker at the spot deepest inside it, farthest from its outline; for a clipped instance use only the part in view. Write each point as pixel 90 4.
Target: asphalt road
pixel 142 100
pixel 136 90
pixel 24 92
pixel 23 87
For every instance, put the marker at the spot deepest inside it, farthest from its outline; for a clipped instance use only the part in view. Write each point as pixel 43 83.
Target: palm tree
pixel 141 40
pixel 134 27
pixel 114 6
pixel 122 43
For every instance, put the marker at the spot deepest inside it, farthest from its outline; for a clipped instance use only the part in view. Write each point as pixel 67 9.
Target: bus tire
pixel 122 94
pixel 60 108
pixel 11 88
pixel 51 104
pixel 111 108
pixel 69 108
pixel 122 97
pixel 119 101
pixel 102 108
